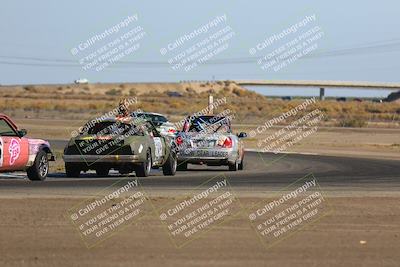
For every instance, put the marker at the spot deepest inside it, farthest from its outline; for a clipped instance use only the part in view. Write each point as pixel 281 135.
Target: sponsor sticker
pixel 158 146
pixel 206 153
pixel 15 150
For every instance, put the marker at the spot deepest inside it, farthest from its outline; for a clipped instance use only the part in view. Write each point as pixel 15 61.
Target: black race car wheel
pixel 169 167
pixel 233 166
pixel 241 164
pixel 40 168
pixel 143 169
pixel 72 169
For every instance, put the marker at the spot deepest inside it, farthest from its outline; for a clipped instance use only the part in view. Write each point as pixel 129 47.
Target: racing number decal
pixel 1 152
pixel 15 150
pixel 158 146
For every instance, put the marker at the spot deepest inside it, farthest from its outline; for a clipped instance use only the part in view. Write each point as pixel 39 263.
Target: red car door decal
pixel 15 153
pixel 15 150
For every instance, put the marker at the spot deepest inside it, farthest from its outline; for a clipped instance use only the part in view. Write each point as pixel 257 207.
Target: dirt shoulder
pixel 360 231
pixel 339 141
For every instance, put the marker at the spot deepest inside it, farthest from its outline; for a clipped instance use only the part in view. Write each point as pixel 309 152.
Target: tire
pixel 182 166
pixel 102 172
pixel 233 167
pixel 241 164
pixel 72 170
pixel 143 170
pixel 40 168
pixel 169 167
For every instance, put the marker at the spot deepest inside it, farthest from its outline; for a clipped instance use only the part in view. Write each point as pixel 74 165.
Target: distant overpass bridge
pixel 323 84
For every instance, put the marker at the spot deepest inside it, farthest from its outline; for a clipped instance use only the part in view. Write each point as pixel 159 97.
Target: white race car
pixel 210 140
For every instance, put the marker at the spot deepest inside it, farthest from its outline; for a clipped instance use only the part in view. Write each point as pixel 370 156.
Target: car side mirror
pixel 242 135
pixel 22 132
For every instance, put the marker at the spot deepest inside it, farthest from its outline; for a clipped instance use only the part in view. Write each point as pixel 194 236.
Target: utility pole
pixel 211 98
pixel 211 105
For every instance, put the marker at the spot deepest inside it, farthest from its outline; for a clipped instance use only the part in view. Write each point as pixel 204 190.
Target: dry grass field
pixel 86 101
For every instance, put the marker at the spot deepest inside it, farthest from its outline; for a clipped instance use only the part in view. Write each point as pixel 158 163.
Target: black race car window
pixel 209 124
pixel 114 128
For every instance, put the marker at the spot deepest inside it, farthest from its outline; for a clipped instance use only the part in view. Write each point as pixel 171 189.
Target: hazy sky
pixel 361 39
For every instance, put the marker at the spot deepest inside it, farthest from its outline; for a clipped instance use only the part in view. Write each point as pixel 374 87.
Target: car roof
pixel 149 113
pixel 115 119
pixel 205 116
pixel 209 116
pixel 9 120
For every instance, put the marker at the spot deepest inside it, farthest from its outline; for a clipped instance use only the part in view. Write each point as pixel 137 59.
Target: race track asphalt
pixel 263 171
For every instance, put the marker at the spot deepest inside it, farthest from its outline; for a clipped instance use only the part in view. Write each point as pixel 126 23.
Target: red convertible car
pixel 19 153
